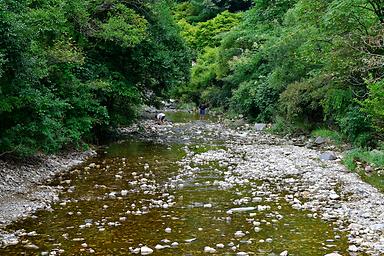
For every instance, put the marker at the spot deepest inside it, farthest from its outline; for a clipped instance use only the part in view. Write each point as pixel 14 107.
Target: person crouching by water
pixel 202 110
pixel 160 118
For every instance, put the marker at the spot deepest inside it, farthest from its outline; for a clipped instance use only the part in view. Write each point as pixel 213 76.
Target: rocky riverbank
pixel 23 186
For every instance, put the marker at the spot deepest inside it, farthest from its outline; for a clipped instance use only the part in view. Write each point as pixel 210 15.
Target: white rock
pixel 284 253
pixel 353 248
pixel 334 196
pixel 242 209
pixel 168 230
pixel 190 240
pixel 145 250
pixel 208 249
pixel 220 246
pixel 239 234
pixel 159 247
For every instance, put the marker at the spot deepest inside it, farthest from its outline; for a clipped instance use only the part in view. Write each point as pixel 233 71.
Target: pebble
pixel 353 248
pixel 159 247
pixel 239 234
pixel 208 249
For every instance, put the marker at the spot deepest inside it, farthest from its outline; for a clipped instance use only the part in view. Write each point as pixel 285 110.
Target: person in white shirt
pixel 160 118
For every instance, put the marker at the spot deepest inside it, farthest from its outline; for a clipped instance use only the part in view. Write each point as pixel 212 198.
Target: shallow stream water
pixel 125 199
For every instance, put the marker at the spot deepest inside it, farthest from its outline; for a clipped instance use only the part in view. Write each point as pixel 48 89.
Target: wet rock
pixel 160 247
pixel 239 234
pixel 242 209
pixel 208 249
pixel 145 250
pixel 190 240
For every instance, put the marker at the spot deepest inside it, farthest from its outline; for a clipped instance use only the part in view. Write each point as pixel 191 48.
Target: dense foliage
pixel 70 69
pixel 303 63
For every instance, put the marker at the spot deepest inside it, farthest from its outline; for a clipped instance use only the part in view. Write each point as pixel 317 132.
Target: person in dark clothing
pixel 202 110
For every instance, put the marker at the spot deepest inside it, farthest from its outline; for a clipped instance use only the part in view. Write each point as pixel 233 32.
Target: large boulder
pixel 328 156
pixel 260 127
pixel 321 140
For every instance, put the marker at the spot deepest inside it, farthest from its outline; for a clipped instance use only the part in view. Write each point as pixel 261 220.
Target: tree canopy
pixel 69 69
pixel 306 63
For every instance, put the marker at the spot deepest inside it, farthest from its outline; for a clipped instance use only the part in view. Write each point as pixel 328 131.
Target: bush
pixel 356 126
pixel 256 100
pixel 374 104
pixel 300 102
pixel 326 133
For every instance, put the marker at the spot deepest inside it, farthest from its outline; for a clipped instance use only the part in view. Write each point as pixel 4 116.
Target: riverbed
pixel 199 187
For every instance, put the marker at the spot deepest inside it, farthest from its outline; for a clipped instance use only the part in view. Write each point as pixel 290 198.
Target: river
pixel 158 190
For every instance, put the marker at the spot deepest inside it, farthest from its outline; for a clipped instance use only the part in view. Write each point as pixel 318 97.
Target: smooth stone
pixel 31 246
pixel 168 230
pixel 242 254
pixel 334 196
pixel 190 240
pixel 145 250
pixel 320 140
pixel 241 209
pixel 159 247
pixel 333 254
pixel 239 234
pixel 353 248
pixel 284 253
pixel 260 126
pixel 328 156
pixel 208 249
pixel 220 246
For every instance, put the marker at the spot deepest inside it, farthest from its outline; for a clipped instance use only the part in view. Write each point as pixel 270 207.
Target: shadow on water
pixel 111 203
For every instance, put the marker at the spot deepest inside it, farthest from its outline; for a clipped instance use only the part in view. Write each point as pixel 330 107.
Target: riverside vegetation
pixel 303 65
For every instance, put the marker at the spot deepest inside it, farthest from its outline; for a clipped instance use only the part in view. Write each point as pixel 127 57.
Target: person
pixel 202 110
pixel 160 118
